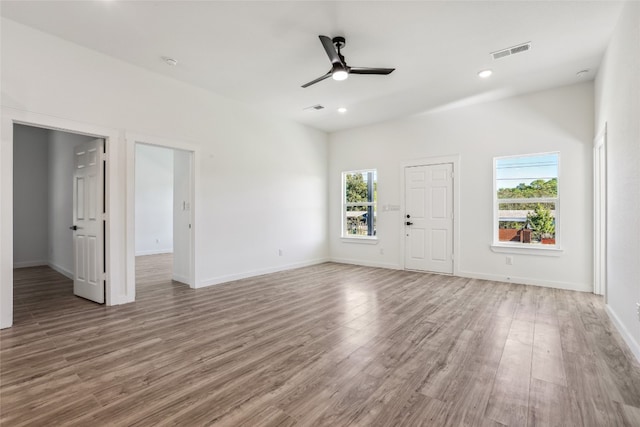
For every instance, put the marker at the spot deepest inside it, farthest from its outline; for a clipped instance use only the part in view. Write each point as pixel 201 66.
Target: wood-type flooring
pixel 326 345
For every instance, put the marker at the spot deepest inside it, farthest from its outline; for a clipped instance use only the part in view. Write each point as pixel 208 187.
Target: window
pixel 359 204
pixel 526 200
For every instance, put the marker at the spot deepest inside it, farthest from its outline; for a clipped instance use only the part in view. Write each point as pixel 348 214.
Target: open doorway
pixel 57 253
pixel 163 218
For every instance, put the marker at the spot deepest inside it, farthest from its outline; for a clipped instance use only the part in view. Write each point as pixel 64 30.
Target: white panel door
pixel 429 218
pixel 88 221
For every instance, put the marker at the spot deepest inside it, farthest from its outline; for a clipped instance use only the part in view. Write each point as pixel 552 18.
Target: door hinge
pixel 104 216
pixel 104 276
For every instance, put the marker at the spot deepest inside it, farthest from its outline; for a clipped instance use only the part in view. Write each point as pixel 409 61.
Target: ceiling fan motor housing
pixel 339 42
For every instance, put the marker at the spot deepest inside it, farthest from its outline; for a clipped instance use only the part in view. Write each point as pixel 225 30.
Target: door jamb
pixel 115 294
pixel 600 216
pixel 131 139
pixel 454 159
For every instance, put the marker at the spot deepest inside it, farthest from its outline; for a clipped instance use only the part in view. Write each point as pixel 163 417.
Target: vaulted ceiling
pixel 261 52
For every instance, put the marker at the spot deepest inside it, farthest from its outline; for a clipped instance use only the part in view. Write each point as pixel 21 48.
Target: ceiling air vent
pixel 314 107
pixel 511 50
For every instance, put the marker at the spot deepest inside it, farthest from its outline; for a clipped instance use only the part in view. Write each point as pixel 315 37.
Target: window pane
pixel 527 222
pixel 357 221
pixel 527 176
pixel 361 187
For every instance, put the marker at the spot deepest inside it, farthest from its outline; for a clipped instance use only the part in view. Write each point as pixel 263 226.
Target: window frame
pixel 528 248
pixel 344 204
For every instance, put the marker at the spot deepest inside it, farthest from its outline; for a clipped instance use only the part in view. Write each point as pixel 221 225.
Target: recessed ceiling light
pixel 582 73
pixel 342 110
pixel 170 61
pixel 484 74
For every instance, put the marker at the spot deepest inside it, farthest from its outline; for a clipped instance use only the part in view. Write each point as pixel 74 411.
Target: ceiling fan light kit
pixel 339 68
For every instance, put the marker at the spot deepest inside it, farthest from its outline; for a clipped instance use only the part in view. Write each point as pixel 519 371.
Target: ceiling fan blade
pixel 363 70
pixel 319 79
pixel 327 43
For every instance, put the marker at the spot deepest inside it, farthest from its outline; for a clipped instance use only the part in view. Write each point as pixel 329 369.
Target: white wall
pixel 154 200
pixel 260 180
pixel 30 176
pixel 554 120
pixel 618 105
pixel 60 191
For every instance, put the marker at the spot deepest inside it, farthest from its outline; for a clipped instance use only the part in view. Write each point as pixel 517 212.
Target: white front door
pixel 429 218
pixel 88 220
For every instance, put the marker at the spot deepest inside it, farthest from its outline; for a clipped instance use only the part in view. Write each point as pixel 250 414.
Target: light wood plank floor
pixel 327 345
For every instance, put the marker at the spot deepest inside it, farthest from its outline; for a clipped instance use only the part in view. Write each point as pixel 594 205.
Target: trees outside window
pixel 359 203
pixel 526 199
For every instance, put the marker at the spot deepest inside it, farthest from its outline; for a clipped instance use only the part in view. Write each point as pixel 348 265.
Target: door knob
pixel 408 216
pixel 409 223
pixel 73 227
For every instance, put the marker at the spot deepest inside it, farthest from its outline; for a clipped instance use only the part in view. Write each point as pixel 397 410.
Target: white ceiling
pixel 261 52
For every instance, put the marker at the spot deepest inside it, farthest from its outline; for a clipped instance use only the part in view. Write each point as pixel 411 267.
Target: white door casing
pixel 88 221
pixel 600 213
pixel 429 218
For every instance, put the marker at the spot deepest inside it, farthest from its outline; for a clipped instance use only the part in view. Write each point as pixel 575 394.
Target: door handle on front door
pixel 74 228
pixel 409 223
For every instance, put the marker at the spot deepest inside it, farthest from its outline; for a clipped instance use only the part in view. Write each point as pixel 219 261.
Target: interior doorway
pixel 163 217
pixel 55 233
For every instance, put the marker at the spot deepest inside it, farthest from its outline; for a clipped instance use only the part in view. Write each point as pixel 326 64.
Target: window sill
pixel 541 250
pixel 360 240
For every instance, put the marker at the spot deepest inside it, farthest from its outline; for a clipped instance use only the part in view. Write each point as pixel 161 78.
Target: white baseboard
pixel 61 270
pixel 367 263
pixel 528 281
pixel 628 338
pixel 24 264
pixel 472 275
pixel 154 252
pixel 181 279
pixel 244 275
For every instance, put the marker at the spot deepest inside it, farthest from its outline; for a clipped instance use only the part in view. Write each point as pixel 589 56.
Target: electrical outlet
pixel 509 260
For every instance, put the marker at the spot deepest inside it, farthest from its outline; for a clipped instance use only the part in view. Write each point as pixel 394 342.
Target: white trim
pixel 26 264
pixel 527 249
pixel 154 252
pixel 131 139
pixel 361 240
pixel 115 288
pixel 61 270
pixel 527 281
pixel 455 160
pixel 181 279
pixel 624 332
pixel 367 263
pixel 244 275
pixel 600 214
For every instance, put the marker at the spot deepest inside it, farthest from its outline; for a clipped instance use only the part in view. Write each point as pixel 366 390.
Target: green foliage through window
pixel 359 206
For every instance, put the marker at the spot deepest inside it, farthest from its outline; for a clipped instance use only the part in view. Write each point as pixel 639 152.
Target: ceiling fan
pixel 339 68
